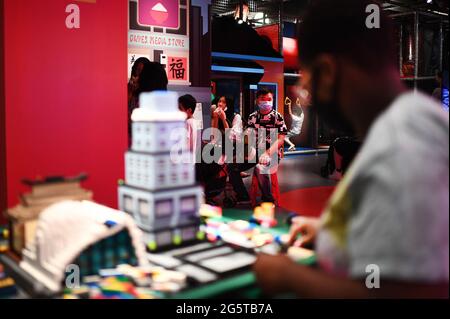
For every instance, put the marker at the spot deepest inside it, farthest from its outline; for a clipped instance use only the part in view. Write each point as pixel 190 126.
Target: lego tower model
pixel 159 189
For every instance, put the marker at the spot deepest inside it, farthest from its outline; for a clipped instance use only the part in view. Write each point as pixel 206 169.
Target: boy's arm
pixel 214 123
pixel 277 274
pixel 276 146
pixel 282 131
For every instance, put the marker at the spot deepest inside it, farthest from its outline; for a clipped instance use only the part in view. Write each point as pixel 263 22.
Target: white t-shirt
pixel 191 127
pixel 297 123
pixel 392 207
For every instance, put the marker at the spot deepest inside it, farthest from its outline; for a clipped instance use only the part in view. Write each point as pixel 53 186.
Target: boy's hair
pixel 188 102
pixel 262 92
pixel 339 28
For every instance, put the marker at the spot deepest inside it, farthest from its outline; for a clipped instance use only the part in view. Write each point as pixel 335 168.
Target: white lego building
pixel 66 230
pixel 159 190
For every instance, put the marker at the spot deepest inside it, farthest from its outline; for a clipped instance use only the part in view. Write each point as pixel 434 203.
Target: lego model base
pixel 157 210
pixel 27 283
pixel 205 262
pixel 172 237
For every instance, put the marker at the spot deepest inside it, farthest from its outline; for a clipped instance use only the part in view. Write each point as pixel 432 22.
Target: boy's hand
pixel 270 272
pixel 307 227
pixel 264 160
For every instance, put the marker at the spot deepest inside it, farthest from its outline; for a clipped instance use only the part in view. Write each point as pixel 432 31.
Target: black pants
pixel 264 182
pixel 347 148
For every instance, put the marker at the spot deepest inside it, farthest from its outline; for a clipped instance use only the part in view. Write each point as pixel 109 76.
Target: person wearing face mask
pixel 384 232
pixel 269 146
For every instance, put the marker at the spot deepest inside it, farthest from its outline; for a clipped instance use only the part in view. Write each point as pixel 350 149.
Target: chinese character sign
pixel 159 13
pixel 177 69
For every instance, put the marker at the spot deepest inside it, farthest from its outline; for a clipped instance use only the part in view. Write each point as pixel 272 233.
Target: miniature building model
pixel 85 234
pixel 23 217
pixel 159 190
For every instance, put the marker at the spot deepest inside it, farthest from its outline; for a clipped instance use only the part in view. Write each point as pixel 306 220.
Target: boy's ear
pixel 327 65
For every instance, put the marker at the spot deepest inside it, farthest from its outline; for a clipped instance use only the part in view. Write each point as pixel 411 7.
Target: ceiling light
pixel 259 15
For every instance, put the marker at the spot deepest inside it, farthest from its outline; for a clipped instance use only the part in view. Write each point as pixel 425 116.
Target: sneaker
pixel 292 148
pixel 336 176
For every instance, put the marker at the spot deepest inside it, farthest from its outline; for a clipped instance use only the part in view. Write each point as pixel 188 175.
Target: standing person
pixel 133 87
pixel 224 117
pixel 390 212
pixel 264 119
pixel 187 104
pixel 153 77
pixel 133 83
pixel 296 126
pixel 149 76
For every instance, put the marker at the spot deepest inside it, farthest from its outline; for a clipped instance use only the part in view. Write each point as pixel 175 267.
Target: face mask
pixel 265 106
pixel 330 112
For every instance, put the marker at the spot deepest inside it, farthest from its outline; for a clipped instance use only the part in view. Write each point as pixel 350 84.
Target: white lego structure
pixel 66 230
pixel 159 192
pixel 157 171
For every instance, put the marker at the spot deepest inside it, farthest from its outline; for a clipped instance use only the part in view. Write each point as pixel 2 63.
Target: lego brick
pixel 199 274
pixel 159 102
pixel 164 238
pixel 190 249
pixel 189 233
pixel 230 262
pixel 157 171
pixel 209 254
pixel 164 260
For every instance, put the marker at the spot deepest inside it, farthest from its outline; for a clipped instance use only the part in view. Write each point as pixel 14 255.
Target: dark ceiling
pixel 291 10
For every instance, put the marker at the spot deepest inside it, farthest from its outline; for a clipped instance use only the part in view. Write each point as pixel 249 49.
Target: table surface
pixel 242 285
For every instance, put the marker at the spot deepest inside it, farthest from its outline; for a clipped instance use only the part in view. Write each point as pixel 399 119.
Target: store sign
pixel 159 13
pixel 159 30
pixel 177 68
pixel 162 41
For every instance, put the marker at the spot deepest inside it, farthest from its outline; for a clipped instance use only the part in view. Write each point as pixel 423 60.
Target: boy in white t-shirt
pixel 187 104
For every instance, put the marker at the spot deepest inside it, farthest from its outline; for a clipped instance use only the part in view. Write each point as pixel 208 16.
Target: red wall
pixel 2 120
pixel 272 32
pixel 66 93
pixel 290 54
